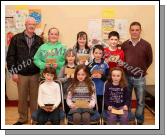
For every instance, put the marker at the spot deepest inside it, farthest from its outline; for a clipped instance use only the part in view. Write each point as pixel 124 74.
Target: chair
pixel 104 113
pixel 61 107
pixel 94 118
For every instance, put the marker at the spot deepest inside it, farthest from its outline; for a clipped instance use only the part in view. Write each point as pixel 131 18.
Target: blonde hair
pixel 53 28
pixel 70 51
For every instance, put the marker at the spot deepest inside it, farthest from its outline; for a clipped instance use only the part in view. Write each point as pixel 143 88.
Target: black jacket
pixel 20 56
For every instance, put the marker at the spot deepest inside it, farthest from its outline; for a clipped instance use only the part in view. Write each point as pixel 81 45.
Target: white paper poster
pixel 107 26
pixel 20 16
pixel 94 29
pixel 121 26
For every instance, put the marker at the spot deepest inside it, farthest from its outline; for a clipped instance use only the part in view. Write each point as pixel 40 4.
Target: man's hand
pixel 15 78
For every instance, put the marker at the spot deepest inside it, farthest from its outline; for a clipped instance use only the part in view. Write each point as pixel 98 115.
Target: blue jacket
pixel 99 82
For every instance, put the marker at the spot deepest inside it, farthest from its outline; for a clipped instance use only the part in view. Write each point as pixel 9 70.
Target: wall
pixel 72 19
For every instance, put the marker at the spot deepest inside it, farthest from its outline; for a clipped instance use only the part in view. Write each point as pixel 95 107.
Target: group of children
pixel 83 78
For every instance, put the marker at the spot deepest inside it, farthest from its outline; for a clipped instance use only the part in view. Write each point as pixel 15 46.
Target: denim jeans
pixel 139 87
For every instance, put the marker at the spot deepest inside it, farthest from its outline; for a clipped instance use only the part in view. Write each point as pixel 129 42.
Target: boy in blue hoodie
pixel 98 70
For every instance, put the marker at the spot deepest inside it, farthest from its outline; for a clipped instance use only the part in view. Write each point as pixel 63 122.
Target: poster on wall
pixel 108 13
pixel 36 14
pixel 9 26
pixel 20 16
pixel 9 22
pixel 94 31
pixel 107 26
pixel 121 26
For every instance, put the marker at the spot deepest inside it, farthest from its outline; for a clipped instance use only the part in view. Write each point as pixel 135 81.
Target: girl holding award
pixel 116 98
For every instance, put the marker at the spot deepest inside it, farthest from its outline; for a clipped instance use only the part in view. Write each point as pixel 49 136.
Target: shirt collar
pixel 28 36
pixel 134 43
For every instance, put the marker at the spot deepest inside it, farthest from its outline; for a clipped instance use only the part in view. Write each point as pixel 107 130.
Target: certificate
pixel 117 111
pixel 97 71
pixel 69 72
pixel 81 103
pixel 51 61
pixel 83 57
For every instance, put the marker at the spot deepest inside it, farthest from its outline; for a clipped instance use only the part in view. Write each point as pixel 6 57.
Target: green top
pixel 47 51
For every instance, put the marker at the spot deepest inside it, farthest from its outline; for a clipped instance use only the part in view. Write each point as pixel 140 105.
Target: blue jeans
pixel 139 87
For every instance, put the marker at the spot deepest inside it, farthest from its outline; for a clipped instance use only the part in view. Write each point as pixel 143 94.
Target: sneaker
pixel 18 123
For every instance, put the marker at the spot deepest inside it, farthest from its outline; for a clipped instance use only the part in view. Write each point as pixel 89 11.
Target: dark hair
pixel 50 70
pixel 70 51
pixel 135 23
pixel 113 33
pixel 123 82
pixel 100 47
pixel 76 82
pixel 53 28
pixel 81 34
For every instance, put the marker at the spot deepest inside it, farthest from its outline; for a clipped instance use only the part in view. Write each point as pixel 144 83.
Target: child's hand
pixel 125 107
pixel 98 75
pixel 54 65
pixel 46 109
pixel 51 109
pixel 107 60
pixel 82 62
pixel 90 106
pixel 72 76
pixel 109 108
pixel 93 76
pixel 67 76
pixel 47 65
pixel 73 106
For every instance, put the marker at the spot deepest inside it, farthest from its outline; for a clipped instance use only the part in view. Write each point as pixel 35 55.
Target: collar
pixel 134 43
pixel 27 35
pixel 72 67
pixel 98 63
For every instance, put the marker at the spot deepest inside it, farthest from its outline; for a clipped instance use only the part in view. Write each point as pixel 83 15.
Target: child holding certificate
pixel 81 96
pixel 116 98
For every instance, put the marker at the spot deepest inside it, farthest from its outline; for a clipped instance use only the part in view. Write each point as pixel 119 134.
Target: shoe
pixel 18 123
pixel 139 123
pixel 132 122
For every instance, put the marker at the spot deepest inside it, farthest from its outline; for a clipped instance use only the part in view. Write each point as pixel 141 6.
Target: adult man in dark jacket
pixel 22 49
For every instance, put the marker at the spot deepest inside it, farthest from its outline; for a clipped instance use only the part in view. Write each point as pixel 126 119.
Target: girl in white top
pixel 49 99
